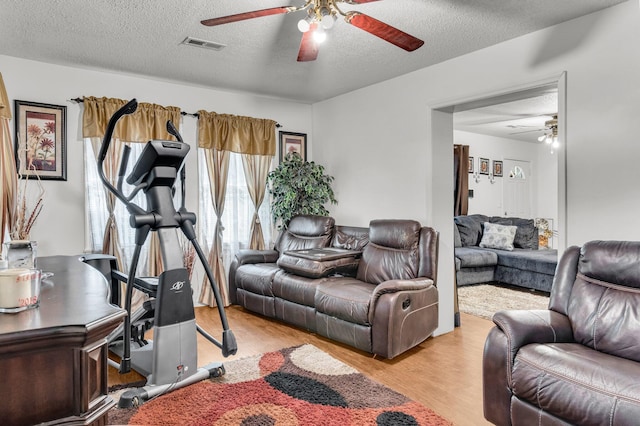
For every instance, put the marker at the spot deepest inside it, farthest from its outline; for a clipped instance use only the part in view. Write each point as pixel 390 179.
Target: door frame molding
pixel 436 127
pixel 439 134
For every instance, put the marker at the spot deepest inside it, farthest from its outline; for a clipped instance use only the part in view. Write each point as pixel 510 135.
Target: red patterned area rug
pixel 293 386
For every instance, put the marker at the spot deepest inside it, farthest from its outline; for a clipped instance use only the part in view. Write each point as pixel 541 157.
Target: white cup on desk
pixel 19 289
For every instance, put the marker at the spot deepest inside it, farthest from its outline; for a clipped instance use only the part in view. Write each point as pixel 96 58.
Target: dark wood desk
pixel 54 358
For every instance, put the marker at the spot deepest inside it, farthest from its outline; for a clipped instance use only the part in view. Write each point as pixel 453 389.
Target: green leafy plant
pixel 298 187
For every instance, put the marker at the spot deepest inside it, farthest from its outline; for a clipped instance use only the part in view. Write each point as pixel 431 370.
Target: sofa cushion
pixel 345 298
pixel 605 316
pixel 526 234
pixel 306 231
pixel 392 252
pixel 350 237
pixel 541 261
pixel 296 289
pixel 256 278
pixel 457 241
pixel 472 257
pixel 498 236
pixel 577 384
pixel 470 228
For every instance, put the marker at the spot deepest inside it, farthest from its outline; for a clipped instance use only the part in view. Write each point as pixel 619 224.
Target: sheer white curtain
pixel 238 211
pixel 97 213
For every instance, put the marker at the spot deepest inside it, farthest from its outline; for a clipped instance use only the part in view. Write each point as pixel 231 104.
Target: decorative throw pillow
pixel 470 228
pixel 526 235
pixel 498 236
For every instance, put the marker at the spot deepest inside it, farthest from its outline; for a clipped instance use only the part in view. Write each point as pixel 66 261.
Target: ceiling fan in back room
pixel 321 15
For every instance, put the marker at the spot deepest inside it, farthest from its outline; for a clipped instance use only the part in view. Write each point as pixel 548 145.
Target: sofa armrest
pixel 523 327
pixel 514 329
pixel 256 256
pixel 394 286
pixel 243 257
pixel 402 314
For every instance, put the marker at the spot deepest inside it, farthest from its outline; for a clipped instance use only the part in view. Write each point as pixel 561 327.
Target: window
pixel 235 219
pixel 237 214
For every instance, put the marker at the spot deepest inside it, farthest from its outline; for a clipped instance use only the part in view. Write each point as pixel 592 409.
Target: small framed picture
pixel 41 139
pixel 497 168
pixel 470 164
pixel 293 142
pixel 483 166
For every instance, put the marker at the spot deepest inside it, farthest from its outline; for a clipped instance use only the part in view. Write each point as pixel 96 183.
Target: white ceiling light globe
pixel 303 25
pixel 319 35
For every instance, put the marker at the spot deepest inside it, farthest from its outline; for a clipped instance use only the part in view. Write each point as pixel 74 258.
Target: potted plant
pixel 298 187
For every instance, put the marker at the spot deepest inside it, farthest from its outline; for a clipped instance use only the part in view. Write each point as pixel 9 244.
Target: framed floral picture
pixel 41 139
pixel 293 142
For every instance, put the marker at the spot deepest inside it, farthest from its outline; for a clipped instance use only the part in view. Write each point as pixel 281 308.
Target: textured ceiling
pixel 520 119
pixel 144 36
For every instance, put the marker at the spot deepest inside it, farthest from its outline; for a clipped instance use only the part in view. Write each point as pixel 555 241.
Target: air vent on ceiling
pixel 190 41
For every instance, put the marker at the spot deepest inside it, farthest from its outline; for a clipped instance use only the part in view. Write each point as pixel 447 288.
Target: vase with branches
pixel 298 187
pixel 29 199
pixel 29 204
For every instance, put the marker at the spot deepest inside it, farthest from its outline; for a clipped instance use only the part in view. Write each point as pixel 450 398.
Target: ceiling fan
pixel 537 128
pixel 550 136
pixel 321 15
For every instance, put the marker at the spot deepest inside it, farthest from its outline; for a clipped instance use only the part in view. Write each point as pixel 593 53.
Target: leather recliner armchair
pixel 579 361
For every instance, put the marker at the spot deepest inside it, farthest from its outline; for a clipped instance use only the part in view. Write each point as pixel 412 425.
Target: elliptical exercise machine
pixel 170 360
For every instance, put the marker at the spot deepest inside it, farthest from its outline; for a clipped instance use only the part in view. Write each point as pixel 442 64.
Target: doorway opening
pixel 442 133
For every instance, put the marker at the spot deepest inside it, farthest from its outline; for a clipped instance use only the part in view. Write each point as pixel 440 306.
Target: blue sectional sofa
pixel 521 264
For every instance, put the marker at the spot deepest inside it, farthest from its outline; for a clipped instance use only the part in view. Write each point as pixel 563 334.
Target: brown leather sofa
pixel 372 288
pixel 579 361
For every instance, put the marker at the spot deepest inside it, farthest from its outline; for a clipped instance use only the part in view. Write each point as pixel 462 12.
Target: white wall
pixel 60 227
pixel 488 197
pixel 378 142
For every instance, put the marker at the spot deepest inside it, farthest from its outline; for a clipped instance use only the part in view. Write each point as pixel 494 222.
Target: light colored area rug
pixel 294 386
pixel 484 300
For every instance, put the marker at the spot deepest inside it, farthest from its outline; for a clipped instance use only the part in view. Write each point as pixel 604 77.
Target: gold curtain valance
pixel 5 108
pixel 148 122
pixel 244 135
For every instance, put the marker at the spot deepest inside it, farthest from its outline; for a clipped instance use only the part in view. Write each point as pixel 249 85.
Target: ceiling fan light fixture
pixel 319 35
pixel 327 21
pixel 304 25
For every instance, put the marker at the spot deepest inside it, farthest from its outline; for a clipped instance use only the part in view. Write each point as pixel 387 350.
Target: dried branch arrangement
pixel 25 215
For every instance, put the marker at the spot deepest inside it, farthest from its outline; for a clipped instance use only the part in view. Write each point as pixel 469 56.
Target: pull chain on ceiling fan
pixel 321 15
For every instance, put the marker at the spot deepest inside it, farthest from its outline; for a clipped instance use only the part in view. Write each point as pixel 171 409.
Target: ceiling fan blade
pixel 248 15
pixel 358 1
pixel 308 46
pixel 384 31
pixel 527 131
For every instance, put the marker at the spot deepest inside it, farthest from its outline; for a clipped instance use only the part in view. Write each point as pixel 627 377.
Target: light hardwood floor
pixel 444 373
